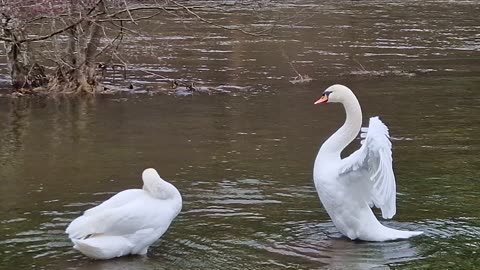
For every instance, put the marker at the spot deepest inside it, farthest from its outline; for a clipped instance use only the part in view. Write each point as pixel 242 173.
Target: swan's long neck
pixel 335 144
pixel 161 189
pixel 157 187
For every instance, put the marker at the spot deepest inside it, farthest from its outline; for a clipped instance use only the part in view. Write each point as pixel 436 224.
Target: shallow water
pixel 243 162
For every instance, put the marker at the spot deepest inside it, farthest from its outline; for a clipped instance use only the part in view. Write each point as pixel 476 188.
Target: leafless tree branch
pixel 200 18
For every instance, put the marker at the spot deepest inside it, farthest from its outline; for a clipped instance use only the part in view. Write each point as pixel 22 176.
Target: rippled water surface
pixel 243 162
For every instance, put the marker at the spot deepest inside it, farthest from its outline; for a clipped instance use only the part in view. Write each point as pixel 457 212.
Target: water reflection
pixel 15 124
pixel 322 245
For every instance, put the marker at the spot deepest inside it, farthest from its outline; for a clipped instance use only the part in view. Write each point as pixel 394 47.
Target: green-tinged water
pixel 243 162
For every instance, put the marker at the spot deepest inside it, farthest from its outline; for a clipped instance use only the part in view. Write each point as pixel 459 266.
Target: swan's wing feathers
pixel 79 228
pixel 114 221
pixel 94 220
pixel 116 200
pixel 374 158
pixel 127 219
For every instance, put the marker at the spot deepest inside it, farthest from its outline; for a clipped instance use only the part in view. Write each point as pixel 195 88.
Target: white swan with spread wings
pixel 348 188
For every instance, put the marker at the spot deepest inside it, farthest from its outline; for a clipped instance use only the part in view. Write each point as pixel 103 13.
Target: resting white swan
pixel 129 222
pixel 349 187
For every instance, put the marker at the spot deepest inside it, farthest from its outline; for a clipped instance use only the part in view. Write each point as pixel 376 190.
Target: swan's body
pixel 349 187
pixel 129 222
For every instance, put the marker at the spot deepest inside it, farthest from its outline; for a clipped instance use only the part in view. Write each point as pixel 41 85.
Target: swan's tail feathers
pixel 406 234
pixel 80 228
pixel 393 234
pixel 103 247
pixel 382 233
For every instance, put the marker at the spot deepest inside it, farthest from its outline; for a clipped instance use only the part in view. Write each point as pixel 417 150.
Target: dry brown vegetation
pixel 53 46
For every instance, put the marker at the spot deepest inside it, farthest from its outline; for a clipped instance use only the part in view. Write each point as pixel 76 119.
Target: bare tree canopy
pixel 67 37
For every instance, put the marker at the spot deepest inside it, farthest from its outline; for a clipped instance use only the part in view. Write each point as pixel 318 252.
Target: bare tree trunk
pixel 86 76
pixel 72 46
pixel 18 71
pixel 73 38
pixel 24 75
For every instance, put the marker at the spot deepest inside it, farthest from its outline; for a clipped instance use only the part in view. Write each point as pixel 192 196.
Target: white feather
pixel 129 222
pixel 374 161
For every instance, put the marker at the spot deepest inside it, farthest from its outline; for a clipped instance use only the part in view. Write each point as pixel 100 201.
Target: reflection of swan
pixel 129 222
pixel 321 251
pixel 349 187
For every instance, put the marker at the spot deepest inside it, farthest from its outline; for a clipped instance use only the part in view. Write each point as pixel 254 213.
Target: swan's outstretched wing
pixel 374 161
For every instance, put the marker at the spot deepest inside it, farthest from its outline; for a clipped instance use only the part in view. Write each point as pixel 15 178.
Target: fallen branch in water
pixel 299 79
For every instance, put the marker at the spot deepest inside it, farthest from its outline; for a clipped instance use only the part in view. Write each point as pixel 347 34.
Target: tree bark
pixel 86 76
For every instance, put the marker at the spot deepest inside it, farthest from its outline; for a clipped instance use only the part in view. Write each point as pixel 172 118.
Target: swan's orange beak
pixel 322 99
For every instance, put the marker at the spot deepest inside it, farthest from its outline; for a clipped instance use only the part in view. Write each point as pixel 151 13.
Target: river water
pixel 243 161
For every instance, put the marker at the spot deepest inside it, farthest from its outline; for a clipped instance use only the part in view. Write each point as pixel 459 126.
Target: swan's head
pixel 150 179
pixel 157 187
pixel 335 93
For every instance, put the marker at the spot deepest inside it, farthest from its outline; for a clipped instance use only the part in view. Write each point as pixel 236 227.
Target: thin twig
pixel 129 14
pixel 284 54
pixel 200 18
pixel 358 62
